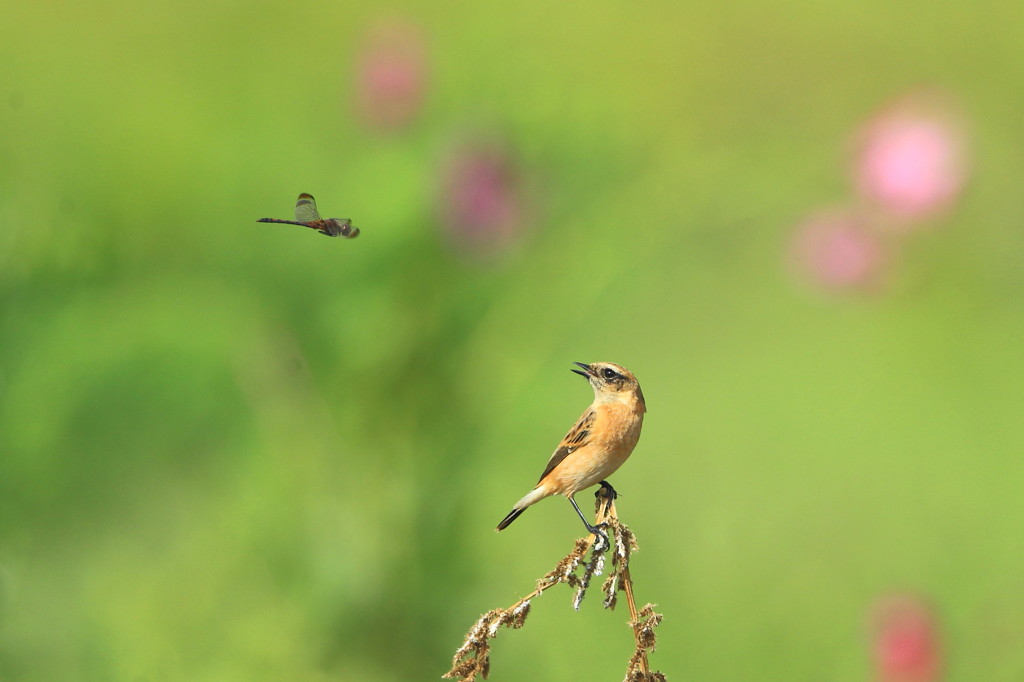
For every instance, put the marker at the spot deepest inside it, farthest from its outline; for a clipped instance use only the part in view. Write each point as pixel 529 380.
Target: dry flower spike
pixel 473 658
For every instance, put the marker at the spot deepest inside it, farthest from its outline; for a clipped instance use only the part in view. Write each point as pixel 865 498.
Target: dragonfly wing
pixel 305 209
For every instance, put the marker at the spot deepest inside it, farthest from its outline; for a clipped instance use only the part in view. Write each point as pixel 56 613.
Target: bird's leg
pixel 608 493
pixel 596 530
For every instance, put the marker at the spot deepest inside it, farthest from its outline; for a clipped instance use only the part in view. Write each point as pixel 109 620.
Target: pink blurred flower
pixel 906 641
pixel 482 203
pixel 837 250
pixel 391 75
pixel 910 159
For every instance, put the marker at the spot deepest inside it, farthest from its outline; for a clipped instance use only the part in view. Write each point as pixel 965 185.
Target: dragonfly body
pixel 332 227
pixel 307 216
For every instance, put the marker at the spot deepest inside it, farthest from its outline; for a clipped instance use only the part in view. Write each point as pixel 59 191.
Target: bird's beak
pixel 587 372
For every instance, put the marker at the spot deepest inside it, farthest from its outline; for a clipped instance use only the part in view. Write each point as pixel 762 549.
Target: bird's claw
pixel 608 493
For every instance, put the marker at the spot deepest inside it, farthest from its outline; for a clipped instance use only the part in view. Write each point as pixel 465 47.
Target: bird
pixel 597 445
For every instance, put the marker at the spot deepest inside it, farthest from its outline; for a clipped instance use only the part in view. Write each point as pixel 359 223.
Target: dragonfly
pixel 307 216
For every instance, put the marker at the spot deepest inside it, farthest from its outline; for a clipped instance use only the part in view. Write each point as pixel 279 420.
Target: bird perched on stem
pixel 602 439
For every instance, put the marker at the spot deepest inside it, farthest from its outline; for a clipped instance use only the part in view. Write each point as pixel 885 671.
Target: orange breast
pixel 614 435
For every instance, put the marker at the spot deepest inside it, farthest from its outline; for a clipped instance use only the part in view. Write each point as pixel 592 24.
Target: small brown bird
pixel 597 445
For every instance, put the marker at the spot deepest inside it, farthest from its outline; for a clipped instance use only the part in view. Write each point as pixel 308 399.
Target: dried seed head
pixel 472 660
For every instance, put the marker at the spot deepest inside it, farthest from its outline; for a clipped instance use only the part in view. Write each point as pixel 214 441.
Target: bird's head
pixel 611 382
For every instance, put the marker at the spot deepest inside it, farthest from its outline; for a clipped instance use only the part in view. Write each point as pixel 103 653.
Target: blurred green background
pixel 232 451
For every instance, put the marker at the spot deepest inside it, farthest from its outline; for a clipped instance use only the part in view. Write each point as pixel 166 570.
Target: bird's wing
pixel 578 436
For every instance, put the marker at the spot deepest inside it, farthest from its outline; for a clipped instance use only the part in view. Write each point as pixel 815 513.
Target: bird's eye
pixel 609 373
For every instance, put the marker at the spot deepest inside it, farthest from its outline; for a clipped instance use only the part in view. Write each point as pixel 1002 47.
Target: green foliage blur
pixel 235 451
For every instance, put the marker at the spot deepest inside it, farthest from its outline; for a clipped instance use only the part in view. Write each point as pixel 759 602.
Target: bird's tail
pixel 512 516
pixel 534 495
